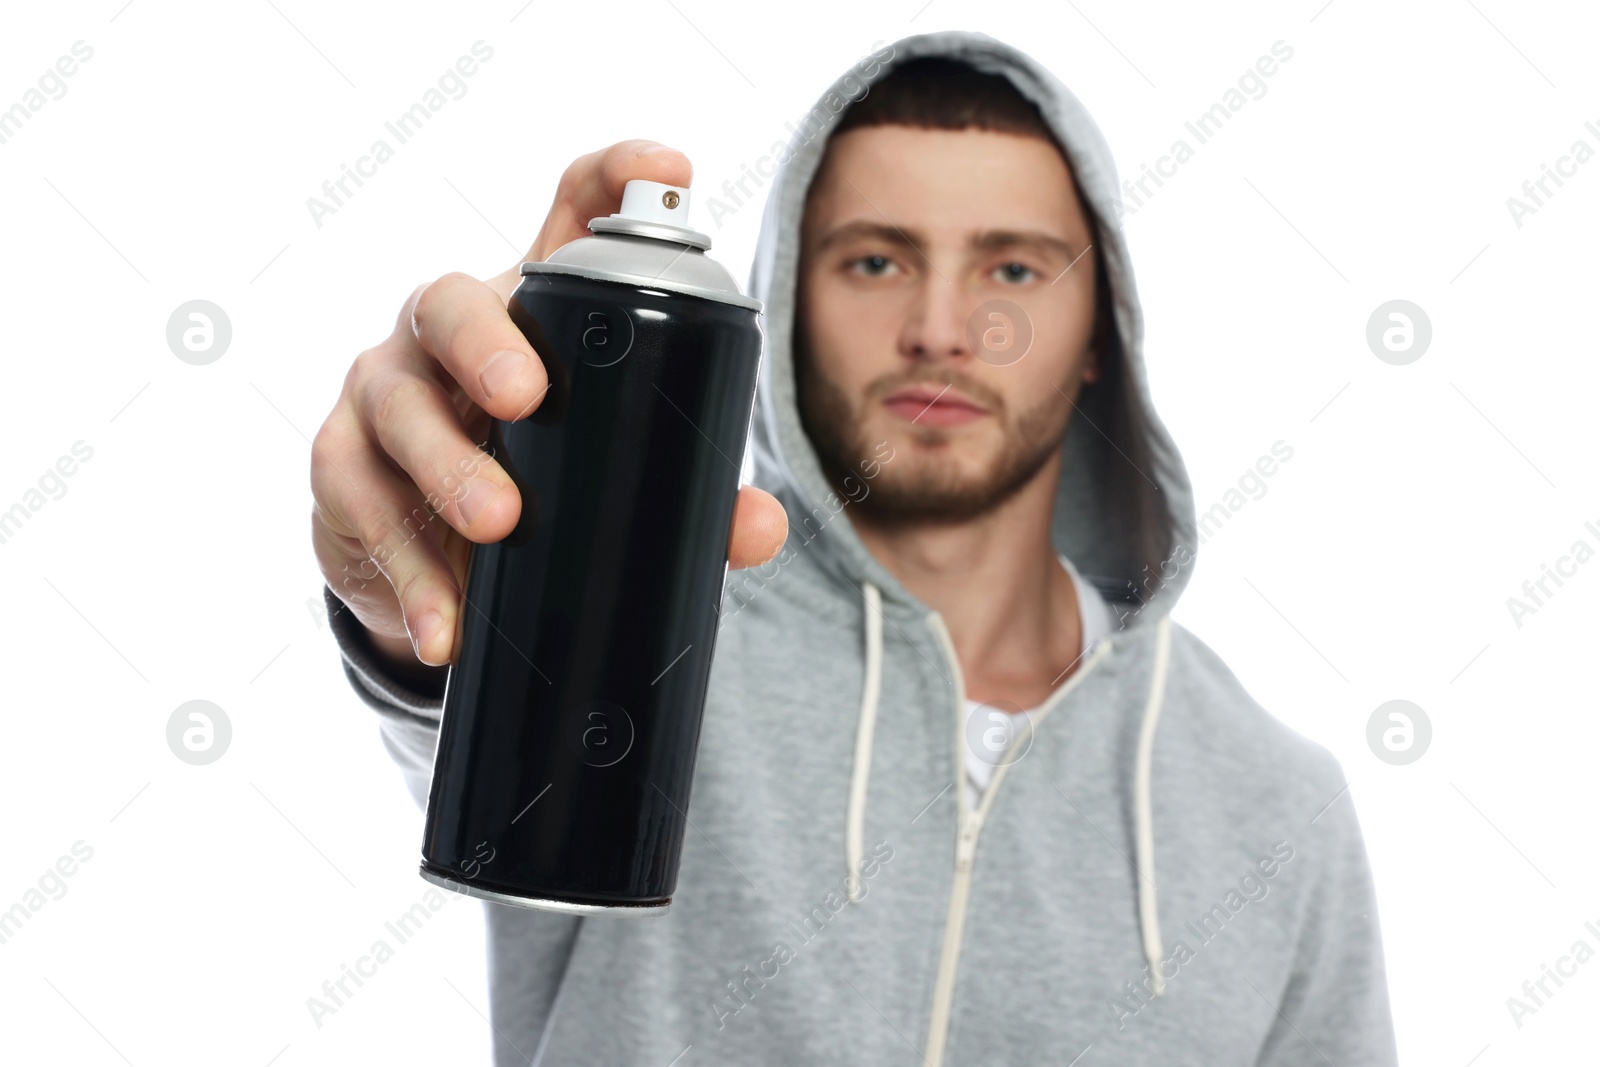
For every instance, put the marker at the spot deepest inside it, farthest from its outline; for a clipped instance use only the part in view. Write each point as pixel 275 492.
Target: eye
pixel 1014 272
pixel 873 265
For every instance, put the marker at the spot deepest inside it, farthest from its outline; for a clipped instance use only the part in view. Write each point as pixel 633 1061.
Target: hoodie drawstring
pixel 1144 842
pixel 861 765
pixel 1144 835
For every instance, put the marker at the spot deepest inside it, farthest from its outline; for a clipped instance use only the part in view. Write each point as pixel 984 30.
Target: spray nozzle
pixel 652 209
pixel 650 201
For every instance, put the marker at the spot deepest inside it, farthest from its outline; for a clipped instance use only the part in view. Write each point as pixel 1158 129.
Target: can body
pixel 572 714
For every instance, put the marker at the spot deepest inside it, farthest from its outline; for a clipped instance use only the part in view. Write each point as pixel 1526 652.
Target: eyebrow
pixel 990 240
pixel 864 228
pixel 987 241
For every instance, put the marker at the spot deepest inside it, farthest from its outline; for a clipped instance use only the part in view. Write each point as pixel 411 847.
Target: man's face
pixel 909 235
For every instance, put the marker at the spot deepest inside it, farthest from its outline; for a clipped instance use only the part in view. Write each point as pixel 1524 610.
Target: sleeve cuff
pixel 418 693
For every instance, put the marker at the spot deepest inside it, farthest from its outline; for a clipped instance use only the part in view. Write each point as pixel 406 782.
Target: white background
pixel 177 565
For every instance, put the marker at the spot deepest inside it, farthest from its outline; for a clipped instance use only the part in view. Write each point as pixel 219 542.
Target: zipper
pixel 968 825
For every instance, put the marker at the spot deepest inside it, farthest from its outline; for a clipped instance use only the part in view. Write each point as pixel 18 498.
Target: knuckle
pixel 423 307
pixel 321 523
pixel 579 168
pixel 368 364
pixel 435 297
pixel 410 305
pixel 392 397
pixel 319 458
pixel 476 464
pixel 376 534
pixel 579 173
pixel 330 441
pixel 399 547
pixel 403 317
pixel 409 585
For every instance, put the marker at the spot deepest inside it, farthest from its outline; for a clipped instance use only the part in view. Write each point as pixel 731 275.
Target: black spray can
pixel 572 714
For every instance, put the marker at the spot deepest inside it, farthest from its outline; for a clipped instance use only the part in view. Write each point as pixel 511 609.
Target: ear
pixel 1091 367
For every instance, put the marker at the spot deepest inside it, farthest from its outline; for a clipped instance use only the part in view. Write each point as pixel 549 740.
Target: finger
pixel 760 527
pixel 463 324
pixel 370 515
pixel 592 186
pixel 413 422
pixel 356 581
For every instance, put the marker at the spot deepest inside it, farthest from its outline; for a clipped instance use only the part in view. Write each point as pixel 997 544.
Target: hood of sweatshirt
pixel 1124 511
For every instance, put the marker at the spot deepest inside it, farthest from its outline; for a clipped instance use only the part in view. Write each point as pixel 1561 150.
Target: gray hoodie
pixel 1168 874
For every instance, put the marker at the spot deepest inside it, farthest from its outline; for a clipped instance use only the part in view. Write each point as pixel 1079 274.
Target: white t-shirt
pixel 990 730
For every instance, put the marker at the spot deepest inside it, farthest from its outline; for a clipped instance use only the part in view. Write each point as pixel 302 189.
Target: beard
pixel 928 485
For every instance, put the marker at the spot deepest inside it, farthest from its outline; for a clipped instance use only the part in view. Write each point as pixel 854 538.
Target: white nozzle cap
pixel 654 202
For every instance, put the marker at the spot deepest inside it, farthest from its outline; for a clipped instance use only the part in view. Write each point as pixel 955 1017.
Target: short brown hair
pixel 946 94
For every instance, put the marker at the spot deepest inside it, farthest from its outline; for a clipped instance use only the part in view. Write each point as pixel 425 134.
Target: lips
pixel 934 405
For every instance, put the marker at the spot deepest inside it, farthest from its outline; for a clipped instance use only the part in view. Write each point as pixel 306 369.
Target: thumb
pixel 592 186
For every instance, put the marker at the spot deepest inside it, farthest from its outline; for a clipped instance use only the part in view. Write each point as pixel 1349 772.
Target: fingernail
pixel 650 150
pixel 502 369
pixel 426 635
pixel 477 496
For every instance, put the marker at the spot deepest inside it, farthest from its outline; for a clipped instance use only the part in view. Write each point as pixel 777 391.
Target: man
pixel 955 801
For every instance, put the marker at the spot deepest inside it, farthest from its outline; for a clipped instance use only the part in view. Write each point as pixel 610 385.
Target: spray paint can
pixel 572 713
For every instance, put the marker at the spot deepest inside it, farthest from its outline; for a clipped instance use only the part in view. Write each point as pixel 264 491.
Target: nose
pixel 935 327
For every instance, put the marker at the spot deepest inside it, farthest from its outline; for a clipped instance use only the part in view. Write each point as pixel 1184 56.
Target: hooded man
pixel 964 792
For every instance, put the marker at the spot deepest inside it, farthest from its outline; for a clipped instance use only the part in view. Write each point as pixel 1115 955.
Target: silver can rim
pixel 642 281
pixel 541 903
